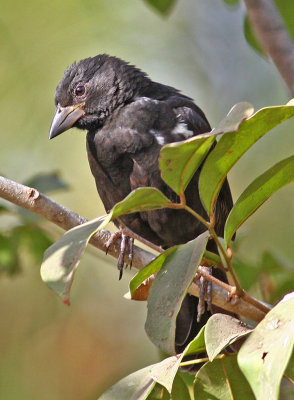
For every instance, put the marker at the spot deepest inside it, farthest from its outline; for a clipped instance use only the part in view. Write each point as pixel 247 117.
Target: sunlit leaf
pixel 142 199
pixel 264 356
pixel 231 147
pixel 197 345
pixel 156 264
pixel 150 269
pixel 62 258
pixel 140 384
pixel 162 6
pixel 179 161
pixel 164 372
pixel 222 380
pixel 168 291
pixel 257 193
pixel 222 330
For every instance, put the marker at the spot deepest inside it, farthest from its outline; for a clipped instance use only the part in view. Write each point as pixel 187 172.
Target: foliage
pixel 222 374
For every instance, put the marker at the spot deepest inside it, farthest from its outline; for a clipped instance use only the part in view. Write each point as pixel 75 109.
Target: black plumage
pixel 129 118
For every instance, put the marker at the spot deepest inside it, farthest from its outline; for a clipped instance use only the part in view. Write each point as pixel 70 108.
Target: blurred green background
pixel 49 351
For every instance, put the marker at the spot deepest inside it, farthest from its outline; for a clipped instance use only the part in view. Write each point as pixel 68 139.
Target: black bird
pixel 129 118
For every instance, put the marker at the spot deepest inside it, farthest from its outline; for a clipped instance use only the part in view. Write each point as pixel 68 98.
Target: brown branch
pixel 273 37
pixel 34 201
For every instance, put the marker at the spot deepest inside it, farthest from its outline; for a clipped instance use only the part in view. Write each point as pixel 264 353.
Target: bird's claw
pixel 205 287
pixel 126 245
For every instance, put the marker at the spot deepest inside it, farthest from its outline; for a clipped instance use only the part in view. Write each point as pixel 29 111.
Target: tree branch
pixel 273 37
pixel 36 202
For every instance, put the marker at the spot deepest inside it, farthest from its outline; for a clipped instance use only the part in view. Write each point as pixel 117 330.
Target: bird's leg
pixel 205 287
pixel 126 245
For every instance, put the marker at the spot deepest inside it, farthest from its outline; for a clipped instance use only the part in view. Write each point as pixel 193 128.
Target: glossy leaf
pixel 197 345
pixel 168 291
pixel 62 258
pixel 162 6
pixel 222 330
pixel 179 161
pixel 142 199
pixel 222 380
pixel 150 269
pixel 231 147
pixel 264 356
pixel 156 264
pixel 257 193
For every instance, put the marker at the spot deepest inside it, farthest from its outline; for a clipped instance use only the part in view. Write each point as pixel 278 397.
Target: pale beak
pixel 64 119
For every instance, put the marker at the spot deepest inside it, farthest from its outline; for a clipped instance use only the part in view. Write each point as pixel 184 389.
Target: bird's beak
pixel 64 119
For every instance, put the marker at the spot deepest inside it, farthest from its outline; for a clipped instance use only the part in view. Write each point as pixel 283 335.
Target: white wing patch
pixel 158 136
pixel 182 129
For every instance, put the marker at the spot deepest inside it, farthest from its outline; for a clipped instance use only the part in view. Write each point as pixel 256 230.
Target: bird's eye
pixel 80 90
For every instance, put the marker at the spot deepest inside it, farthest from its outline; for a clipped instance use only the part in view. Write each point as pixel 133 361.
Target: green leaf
pixel 142 199
pixel 62 258
pixel 136 386
pixel 164 372
pixel 140 384
pixel 47 182
pixel 180 390
pixel 222 380
pixel 264 356
pixel 290 369
pixel 179 161
pixel 162 6
pixel 222 330
pixel 231 147
pixel 257 193
pixel 156 264
pixel 150 269
pixel 197 345
pixel 159 393
pixel 169 289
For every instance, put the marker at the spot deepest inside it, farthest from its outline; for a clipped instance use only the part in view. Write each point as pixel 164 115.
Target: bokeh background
pixel 47 350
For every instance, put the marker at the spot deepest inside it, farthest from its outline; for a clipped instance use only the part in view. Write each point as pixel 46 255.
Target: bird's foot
pixel 126 247
pixel 205 287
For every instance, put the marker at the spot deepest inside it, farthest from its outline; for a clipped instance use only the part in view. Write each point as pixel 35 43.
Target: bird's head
pixel 91 89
